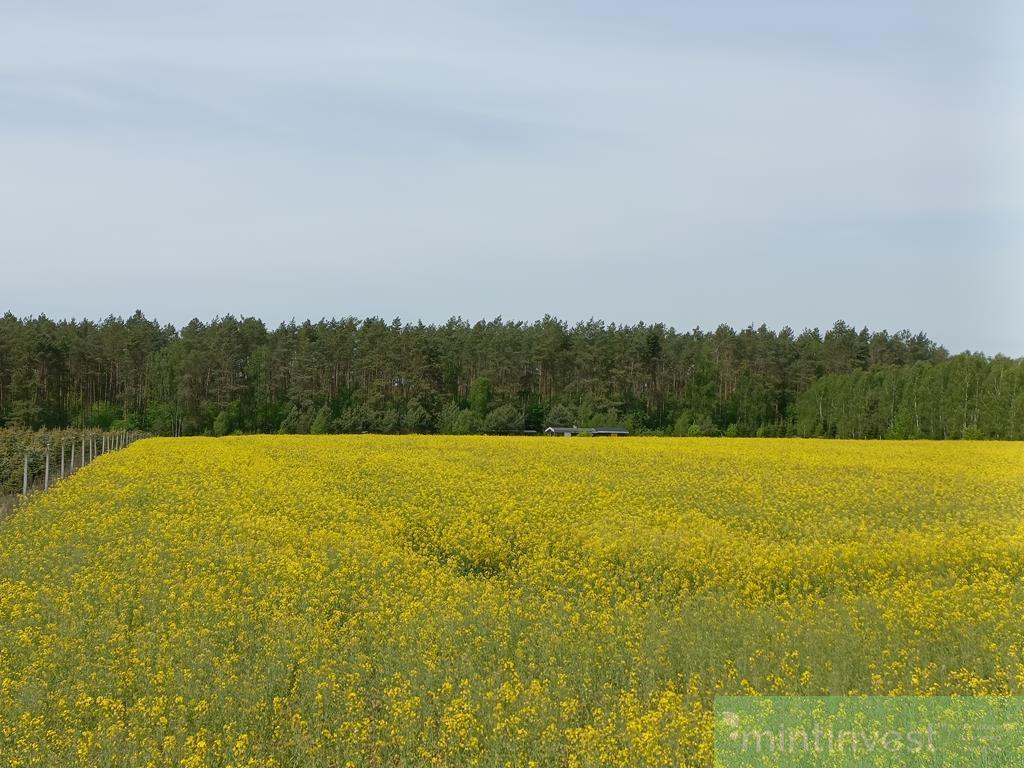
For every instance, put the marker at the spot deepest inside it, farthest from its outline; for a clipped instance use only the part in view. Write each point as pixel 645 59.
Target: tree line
pixel 349 375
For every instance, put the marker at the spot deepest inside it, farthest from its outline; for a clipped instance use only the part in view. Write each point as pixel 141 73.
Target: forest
pixel 236 375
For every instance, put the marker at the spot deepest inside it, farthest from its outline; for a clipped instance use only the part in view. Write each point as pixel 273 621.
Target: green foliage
pixel 534 418
pixel 560 416
pixel 682 424
pixel 480 397
pixel 25 414
pixel 102 415
pixel 227 420
pixel 703 426
pixel 606 419
pixel 416 418
pixel 356 419
pixel 504 418
pixel 235 375
pixel 388 422
pixel 322 422
pixel 295 421
pixel 458 421
pixel 160 417
pixel 966 396
pixel 121 425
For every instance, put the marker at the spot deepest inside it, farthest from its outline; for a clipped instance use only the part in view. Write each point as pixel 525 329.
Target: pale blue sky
pixel 743 162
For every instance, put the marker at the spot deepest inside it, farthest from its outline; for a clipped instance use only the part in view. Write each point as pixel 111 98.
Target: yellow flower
pixel 457 601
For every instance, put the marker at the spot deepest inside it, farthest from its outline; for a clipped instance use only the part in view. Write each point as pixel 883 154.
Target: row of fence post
pixel 91 447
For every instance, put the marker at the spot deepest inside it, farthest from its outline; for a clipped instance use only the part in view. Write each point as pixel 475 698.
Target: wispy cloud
pixel 788 162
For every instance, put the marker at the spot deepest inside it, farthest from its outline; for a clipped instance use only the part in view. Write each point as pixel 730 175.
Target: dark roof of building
pixel 611 430
pixel 573 430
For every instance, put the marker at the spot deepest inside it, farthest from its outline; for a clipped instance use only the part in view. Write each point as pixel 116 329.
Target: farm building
pixel 562 431
pixel 609 432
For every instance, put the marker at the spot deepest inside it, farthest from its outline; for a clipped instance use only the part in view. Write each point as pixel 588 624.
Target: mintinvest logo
pixel 842 731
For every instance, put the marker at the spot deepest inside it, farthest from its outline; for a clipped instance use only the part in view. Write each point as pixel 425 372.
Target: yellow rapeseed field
pixel 450 601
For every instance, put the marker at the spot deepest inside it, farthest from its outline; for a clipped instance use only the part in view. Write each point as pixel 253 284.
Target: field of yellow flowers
pixel 448 601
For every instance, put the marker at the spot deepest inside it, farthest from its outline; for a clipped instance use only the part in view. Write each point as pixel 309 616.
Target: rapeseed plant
pixel 474 601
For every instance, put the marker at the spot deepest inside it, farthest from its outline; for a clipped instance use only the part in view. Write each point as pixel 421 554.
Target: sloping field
pixel 390 601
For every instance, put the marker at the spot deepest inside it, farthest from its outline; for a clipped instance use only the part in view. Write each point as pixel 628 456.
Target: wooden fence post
pixel 61 459
pixel 83 449
pixel 46 472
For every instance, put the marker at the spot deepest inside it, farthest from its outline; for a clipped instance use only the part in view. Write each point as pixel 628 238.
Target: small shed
pixel 561 431
pixel 609 432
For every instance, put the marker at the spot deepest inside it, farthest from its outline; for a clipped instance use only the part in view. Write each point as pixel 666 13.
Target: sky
pixel 788 163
